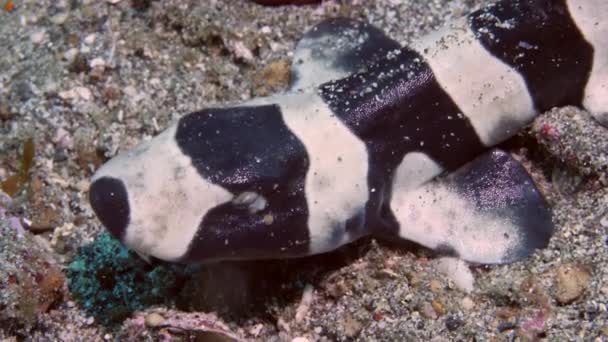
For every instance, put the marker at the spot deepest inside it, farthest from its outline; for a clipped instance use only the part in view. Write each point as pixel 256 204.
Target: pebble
pixel 435 286
pixel 304 307
pixel 83 93
pixel 241 51
pixel 60 133
pixel 571 282
pixel 153 320
pixel 453 323
pixel 387 273
pixel 130 91
pixel 256 329
pixel 440 339
pixel 352 327
pixel 97 62
pixel 38 37
pixel 300 339
pixel 90 39
pixel 60 18
pixel 265 29
pixel 467 303
pixel 438 307
pixel 428 311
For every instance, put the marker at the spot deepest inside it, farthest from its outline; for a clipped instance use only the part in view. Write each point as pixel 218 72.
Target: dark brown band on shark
pixel 265 153
pixel 395 108
pixel 540 40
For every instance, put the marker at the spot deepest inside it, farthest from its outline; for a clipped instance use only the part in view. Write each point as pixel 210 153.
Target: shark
pixel 371 138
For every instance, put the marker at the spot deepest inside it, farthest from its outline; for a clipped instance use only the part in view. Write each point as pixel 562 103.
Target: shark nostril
pixel 109 199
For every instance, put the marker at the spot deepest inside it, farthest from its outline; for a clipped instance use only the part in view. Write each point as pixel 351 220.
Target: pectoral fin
pixel 489 211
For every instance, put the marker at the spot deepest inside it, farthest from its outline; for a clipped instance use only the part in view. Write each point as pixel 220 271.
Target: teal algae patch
pixel 110 282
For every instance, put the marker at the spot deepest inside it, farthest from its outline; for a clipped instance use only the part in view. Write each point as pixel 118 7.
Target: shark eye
pixel 110 201
pixel 252 200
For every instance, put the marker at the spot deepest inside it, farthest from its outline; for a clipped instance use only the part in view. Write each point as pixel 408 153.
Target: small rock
pixel 97 62
pixel 387 273
pixel 467 303
pixel 154 320
pixel 571 282
pixel 352 327
pixel 435 286
pixel 604 330
pixel 453 323
pixel 307 298
pixel 438 307
pixel 300 339
pixel 256 330
pixel 440 339
pixel 38 37
pixel 130 91
pixel 60 18
pixel 90 39
pixel 68 94
pixel 428 311
pixel 83 185
pixel 83 93
pixel 70 54
pixel 240 51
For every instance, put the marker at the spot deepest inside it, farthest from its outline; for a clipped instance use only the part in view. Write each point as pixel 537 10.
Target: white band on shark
pixel 590 17
pixel 488 91
pixel 336 183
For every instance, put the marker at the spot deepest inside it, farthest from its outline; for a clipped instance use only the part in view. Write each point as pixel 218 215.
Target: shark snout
pixel 110 201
